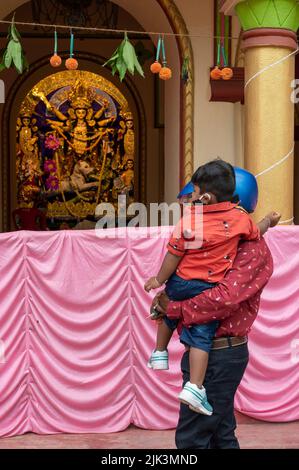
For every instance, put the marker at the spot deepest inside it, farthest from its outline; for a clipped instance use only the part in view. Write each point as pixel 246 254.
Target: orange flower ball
pixel 55 60
pixel 165 73
pixel 216 73
pixel 156 67
pixel 71 64
pixel 227 73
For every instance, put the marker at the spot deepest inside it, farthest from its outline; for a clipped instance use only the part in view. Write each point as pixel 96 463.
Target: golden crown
pixel 27 108
pixel 128 116
pixel 81 96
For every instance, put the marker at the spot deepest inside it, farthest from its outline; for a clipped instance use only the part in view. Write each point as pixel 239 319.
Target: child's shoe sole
pixel 188 399
pixel 162 366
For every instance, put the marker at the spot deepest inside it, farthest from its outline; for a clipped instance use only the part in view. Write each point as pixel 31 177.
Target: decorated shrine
pixel 75 145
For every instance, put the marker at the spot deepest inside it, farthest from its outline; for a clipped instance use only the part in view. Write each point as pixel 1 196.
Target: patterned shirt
pixel 207 239
pixel 235 300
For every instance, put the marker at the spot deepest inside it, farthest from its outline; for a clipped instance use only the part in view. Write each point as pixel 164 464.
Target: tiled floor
pixel 252 435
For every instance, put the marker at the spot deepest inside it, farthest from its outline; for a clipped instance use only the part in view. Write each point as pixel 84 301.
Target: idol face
pixel 129 124
pixel 81 113
pixel 26 121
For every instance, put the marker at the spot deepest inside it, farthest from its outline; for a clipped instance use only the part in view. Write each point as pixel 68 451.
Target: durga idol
pixel 82 127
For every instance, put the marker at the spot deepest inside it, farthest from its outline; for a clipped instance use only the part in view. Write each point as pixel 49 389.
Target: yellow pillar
pixel 269 128
pixel 269 111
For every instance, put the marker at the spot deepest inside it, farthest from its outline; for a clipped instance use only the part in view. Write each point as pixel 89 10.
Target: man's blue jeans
pixel 225 371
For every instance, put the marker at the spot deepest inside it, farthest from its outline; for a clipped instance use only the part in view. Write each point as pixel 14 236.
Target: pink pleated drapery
pixel 74 337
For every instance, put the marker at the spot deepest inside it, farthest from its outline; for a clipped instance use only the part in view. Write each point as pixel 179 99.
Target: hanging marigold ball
pixel 227 73
pixel 156 67
pixel 71 63
pixel 55 60
pixel 216 73
pixel 165 73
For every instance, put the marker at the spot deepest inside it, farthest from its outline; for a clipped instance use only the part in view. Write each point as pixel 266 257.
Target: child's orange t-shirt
pixel 207 239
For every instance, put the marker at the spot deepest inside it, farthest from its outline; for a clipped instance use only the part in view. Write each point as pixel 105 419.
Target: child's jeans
pixel 197 336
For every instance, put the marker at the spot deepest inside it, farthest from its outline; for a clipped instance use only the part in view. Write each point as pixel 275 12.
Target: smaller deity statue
pixel 29 175
pixel 128 135
pixel 124 184
pixel 127 176
pixel 27 147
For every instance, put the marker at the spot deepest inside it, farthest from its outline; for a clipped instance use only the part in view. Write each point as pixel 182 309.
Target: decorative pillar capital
pixel 269 23
pixel 275 14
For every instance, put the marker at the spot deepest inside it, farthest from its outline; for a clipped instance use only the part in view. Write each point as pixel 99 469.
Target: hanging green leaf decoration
pixel 14 54
pixel 124 58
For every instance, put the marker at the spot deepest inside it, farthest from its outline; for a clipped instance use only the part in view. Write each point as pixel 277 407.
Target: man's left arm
pixel 250 273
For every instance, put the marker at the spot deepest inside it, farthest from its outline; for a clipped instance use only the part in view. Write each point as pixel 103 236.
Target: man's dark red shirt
pixel 235 300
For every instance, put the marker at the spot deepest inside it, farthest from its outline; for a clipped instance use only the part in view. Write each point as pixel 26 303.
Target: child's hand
pixel 274 218
pixel 152 283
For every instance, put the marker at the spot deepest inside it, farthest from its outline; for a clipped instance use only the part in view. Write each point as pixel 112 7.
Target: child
pixel 189 269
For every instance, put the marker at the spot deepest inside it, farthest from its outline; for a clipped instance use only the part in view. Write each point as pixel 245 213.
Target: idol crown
pixel 80 96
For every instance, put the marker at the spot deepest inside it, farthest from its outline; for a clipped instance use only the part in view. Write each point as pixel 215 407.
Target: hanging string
pixel 222 32
pixel 118 31
pixel 55 42
pixel 55 60
pixel 158 49
pixel 218 53
pixel 72 44
pixel 225 62
pixel 163 51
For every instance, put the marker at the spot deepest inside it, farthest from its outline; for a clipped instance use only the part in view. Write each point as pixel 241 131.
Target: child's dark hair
pixel 217 177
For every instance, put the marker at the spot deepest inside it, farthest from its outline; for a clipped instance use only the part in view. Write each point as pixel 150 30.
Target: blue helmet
pixel 188 189
pixel 246 189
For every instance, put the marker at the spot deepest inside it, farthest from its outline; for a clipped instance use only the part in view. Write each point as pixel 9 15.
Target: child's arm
pixel 169 265
pixel 270 220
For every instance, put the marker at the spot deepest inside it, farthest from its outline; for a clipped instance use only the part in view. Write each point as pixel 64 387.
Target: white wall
pixel 218 126
pixel 213 122
pixel 149 14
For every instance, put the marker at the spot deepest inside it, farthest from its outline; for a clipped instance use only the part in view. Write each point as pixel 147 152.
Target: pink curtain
pixel 74 338
pixel 270 388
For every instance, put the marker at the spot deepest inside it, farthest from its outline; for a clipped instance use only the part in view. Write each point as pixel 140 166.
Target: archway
pixel 126 93
pixel 178 140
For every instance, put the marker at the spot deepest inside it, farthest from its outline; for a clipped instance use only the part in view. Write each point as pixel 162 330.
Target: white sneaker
pixel 158 360
pixel 196 398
